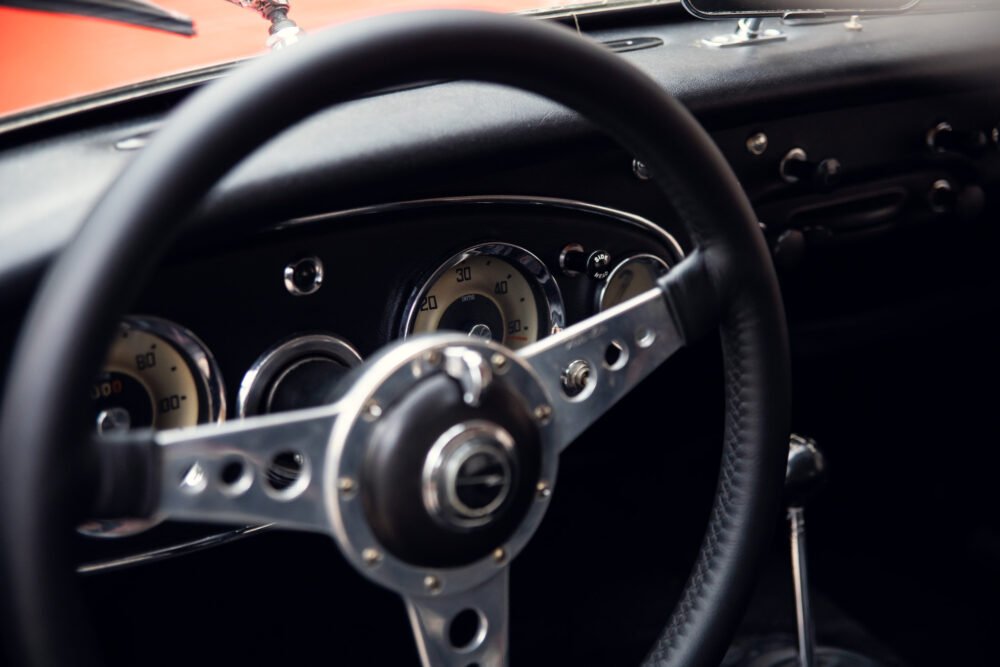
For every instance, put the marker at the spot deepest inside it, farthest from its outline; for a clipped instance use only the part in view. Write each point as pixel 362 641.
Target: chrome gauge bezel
pixel 642 256
pixel 211 396
pixel 200 360
pixel 277 359
pixel 542 281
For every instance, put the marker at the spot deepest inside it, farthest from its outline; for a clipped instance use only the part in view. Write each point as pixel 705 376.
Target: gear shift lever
pixel 804 474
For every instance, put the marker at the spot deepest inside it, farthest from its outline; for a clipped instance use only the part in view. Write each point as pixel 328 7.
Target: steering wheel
pixel 436 464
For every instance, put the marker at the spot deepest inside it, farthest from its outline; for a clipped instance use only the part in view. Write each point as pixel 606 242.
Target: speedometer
pixel 156 375
pixel 494 291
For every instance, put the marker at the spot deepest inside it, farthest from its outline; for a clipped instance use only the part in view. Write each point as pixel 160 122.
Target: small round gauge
pixel 300 372
pixel 156 375
pixel 495 291
pixel 630 278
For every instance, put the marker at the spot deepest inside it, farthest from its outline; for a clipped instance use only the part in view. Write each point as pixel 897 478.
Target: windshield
pixel 48 58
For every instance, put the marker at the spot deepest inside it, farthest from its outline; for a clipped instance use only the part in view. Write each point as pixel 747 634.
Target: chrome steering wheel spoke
pixel 262 470
pixel 464 628
pixel 588 367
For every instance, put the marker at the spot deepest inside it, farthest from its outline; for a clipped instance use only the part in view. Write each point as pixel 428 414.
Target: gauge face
pixel 632 277
pixel 496 291
pixel 145 383
pixel 299 372
pixel 156 375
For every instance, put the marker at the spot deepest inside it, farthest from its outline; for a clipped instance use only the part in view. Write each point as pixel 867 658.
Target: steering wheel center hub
pixel 469 474
pixel 445 453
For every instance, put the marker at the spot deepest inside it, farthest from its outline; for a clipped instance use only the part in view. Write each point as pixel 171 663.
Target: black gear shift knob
pixel 805 472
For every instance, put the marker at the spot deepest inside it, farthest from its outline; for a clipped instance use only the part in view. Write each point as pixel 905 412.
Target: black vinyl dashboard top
pixel 424 142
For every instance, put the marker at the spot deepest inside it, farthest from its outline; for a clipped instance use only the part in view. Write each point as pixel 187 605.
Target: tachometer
pixel 157 375
pixel 495 291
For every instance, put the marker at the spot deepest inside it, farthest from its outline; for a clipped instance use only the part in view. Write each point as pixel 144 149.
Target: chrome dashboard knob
pixel 796 167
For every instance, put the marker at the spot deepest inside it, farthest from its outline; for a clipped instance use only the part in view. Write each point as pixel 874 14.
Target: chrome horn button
pixel 468 474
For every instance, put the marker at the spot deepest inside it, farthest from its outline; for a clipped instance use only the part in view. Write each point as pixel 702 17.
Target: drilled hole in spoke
pixel 467 630
pixel 287 474
pixel 235 477
pixel 645 337
pixel 193 479
pixel 231 472
pixel 615 355
pixel 285 468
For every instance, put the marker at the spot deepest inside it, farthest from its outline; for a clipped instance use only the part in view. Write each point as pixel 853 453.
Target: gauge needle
pixel 481 331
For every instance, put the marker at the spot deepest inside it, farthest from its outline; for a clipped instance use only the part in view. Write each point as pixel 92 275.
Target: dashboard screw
pixel 346 486
pixel 543 412
pixel 499 555
pixel 432 583
pixel 371 556
pixel 757 144
pixel 640 170
pixel 544 490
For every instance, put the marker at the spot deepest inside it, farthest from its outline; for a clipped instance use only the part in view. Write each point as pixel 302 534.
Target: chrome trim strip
pixel 570 10
pixel 515 200
pixel 181 549
pixel 115 96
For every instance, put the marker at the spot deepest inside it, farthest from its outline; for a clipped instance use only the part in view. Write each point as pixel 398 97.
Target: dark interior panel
pixel 883 228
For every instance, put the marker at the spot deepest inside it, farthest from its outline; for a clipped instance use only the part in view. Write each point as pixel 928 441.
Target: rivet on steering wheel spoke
pixel 371 411
pixel 432 584
pixel 544 490
pixel 499 362
pixel 347 487
pixel 543 413
pixel 371 557
pixel 500 555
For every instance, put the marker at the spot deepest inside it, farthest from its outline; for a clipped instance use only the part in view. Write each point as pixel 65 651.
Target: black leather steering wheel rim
pixel 44 475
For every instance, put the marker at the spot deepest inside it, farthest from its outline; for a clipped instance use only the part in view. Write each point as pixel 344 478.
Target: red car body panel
pixel 47 58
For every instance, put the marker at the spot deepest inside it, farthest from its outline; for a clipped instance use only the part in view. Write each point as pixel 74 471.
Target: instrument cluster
pixel 514 291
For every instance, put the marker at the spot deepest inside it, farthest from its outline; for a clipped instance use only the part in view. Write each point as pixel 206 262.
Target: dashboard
pixel 872 159
pixel 276 322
